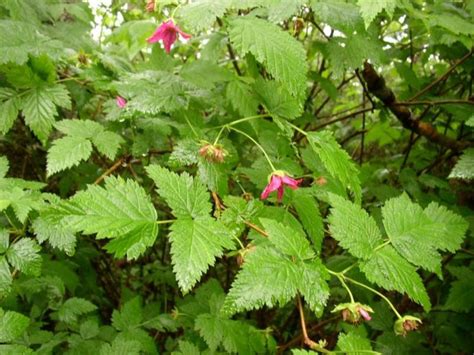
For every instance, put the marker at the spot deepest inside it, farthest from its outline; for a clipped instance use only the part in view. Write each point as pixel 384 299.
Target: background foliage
pixel 139 229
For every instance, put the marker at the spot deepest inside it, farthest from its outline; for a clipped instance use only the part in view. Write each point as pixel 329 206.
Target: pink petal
pixel 160 31
pixel 275 183
pixel 280 193
pixel 169 37
pixel 290 182
pixel 183 34
pixel 364 314
pixel 121 102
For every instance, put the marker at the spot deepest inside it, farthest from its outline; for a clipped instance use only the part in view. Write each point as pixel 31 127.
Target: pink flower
pixel 121 102
pixel 168 33
pixel 277 182
pixel 364 313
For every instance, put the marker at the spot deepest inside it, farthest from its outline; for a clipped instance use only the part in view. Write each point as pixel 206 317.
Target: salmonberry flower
pixel 406 324
pixel 121 102
pixel 277 180
pixel 353 312
pixel 168 33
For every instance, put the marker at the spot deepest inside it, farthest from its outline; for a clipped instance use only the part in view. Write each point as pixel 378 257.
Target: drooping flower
pixel 353 312
pixel 168 33
pixel 213 152
pixel 150 6
pixel 406 324
pixel 277 180
pixel 121 102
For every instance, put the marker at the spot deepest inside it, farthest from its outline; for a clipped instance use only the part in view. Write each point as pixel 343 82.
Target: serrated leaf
pixel 195 244
pixel 107 143
pixel 370 9
pixel 201 14
pixel 121 211
pixel 4 166
pixel 460 294
pixel 24 256
pixel 464 168
pixel 39 108
pixel 58 235
pixel 389 270
pixel 121 346
pixel 449 230
pixel 336 161
pixel 313 286
pixel 186 196
pixel 20 39
pixel 277 100
pixel 281 10
pixel 336 13
pixel 8 114
pixel 67 152
pixel 22 201
pixel 6 278
pixel 310 216
pixel 12 325
pixel 129 316
pixel 352 226
pixel 287 240
pixel 79 128
pixel 283 56
pixel 241 97
pixel 410 231
pixel 353 343
pixel 73 308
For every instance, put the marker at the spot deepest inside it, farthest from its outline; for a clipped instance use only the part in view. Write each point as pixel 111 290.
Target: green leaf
pixel 352 226
pixel 15 349
pixel 187 348
pixel 287 240
pixel 453 23
pixel 39 108
pixel 121 211
pixel 121 346
pixel 242 98
pixel 202 14
pixel 12 325
pixel 370 9
pixel 58 235
pixel 20 200
pixel 129 317
pixel 6 278
pixel 351 343
pixel 195 245
pixel 8 109
pixel 464 168
pixel 410 231
pixel 450 228
pixel 186 196
pixel 24 256
pixel 86 129
pixel 336 160
pixel 73 308
pixel 67 152
pixel 336 13
pixel 107 143
pixel 282 10
pixel 264 268
pixel 389 270
pixel 310 216
pixel 4 166
pixel 460 294
pixel 277 100
pixel 20 39
pixel 283 56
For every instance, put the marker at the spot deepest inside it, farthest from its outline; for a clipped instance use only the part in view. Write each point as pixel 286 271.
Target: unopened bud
pixel 406 324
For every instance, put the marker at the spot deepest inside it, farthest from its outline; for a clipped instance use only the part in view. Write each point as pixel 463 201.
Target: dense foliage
pixel 236 176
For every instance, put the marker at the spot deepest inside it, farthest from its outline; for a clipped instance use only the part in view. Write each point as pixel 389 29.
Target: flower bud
pixel 213 152
pixel 406 324
pixel 353 312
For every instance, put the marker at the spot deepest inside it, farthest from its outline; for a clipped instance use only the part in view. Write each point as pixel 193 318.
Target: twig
pixel 306 339
pixel 231 52
pixel 376 85
pixel 442 77
pixel 433 103
pixel 256 228
pixel 110 170
pixel 408 150
pixel 345 117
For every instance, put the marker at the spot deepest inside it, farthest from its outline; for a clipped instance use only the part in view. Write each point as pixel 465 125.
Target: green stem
pixel 257 144
pixel 191 126
pixel 343 283
pixel 296 128
pixel 219 134
pixel 240 120
pixel 382 245
pixel 165 221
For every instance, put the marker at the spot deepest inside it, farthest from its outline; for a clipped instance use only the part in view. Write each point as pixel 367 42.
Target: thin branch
pixel 436 102
pixel 256 228
pixel 306 339
pixel 110 170
pixel 442 77
pixel 377 86
pixel 231 52
pixel 342 118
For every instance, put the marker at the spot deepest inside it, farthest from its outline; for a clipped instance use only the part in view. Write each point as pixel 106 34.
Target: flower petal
pixel 290 182
pixel 364 314
pixel 275 183
pixel 280 193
